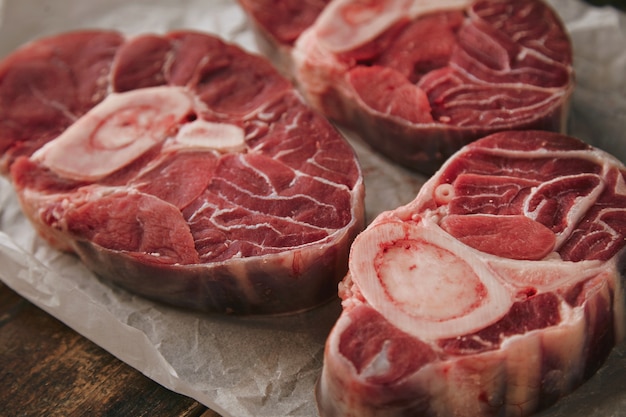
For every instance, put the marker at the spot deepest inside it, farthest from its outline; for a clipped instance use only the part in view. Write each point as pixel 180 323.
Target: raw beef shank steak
pixel 277 25
pixel 498 290
pixel 417 79
pixel 180 167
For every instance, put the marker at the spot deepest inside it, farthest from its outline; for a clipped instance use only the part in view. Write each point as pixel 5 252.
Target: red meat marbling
pixel 498 290
pixel 417 80
pixel 181 168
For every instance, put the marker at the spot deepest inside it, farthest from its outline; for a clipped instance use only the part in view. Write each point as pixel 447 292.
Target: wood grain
pixel 48 369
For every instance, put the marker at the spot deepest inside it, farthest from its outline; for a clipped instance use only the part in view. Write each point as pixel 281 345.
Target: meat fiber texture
pixel 498 290
pixel 277 25
pixel 417 80
pixel 181 168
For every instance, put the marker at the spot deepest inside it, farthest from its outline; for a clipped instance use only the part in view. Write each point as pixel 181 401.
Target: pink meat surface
pixel 418 80
pixel 181 168
pixel 279 23
pixel 497 291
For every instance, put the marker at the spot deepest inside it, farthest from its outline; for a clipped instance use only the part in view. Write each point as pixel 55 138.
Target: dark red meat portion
pixel 284 20
pixel 45 86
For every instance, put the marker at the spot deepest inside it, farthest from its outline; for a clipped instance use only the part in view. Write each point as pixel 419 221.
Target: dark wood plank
pixel 48 369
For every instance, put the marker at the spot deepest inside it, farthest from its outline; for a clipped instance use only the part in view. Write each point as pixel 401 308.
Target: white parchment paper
pixel 267 366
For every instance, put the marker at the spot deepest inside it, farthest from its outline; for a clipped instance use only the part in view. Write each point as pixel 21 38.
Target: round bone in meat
pixel 181 168
pixel 498 290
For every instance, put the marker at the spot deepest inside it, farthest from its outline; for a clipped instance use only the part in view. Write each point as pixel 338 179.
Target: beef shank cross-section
pixel 497 291
pixel 417 79
pixel 278 24
pixel 180 167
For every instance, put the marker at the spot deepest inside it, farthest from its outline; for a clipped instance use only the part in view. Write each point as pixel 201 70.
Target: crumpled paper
pixel 267 366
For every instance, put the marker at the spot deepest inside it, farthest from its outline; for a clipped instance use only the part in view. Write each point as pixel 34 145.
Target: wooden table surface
pixel 47 369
